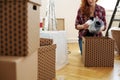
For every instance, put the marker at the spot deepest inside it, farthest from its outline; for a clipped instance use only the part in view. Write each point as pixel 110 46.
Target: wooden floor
pixel 75 70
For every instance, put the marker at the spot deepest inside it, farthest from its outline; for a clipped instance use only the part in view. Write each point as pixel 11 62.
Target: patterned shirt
pixel 80 19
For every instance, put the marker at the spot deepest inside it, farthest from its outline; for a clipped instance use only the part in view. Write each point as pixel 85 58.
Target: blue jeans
pixel 80 45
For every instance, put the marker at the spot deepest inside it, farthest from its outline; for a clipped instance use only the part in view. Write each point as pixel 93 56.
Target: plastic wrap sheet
pixel 59 38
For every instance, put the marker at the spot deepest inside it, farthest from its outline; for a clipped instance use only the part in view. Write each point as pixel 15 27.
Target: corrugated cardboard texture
pixel 34 1
pixel 19 68
pixel 116 36
pixel 46 62
pixel 98 52
pixel 19 28
pixel 45 41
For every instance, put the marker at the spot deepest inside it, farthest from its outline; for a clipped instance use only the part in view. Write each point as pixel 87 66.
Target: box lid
pixel 35 1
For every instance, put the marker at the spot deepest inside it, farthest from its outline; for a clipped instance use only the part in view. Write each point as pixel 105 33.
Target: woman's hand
pixel 85 26
pixel 101 29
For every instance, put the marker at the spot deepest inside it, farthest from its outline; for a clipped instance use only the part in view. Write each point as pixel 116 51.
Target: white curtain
pixel 50 19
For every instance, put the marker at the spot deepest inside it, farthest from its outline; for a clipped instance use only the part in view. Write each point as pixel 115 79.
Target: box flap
pixel 36 1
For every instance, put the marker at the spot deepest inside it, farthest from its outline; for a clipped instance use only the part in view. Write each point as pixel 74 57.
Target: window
pixel 108 4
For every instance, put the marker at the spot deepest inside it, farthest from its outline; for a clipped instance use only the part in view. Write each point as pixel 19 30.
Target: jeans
pixel 80 44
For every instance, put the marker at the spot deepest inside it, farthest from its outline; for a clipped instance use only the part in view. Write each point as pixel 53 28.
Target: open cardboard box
pixel 98 52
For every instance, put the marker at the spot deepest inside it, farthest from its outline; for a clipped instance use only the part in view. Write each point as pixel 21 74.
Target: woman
pixel 89 9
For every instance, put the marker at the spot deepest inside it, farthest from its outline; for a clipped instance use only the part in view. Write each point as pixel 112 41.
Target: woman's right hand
pixel 85 26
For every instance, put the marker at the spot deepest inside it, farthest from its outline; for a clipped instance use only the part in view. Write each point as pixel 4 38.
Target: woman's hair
pixel 85 9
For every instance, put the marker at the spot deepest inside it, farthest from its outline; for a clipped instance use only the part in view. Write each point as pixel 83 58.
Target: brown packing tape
pixel 98 52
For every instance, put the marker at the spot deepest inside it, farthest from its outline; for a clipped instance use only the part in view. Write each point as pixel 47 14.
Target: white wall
pixel 67 9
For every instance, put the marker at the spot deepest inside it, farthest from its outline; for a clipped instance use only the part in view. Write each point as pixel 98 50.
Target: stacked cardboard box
pixel 19 68
pixel 19 39
pixel 19 27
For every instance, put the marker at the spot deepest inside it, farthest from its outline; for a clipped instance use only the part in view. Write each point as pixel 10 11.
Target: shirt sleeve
pixel 78 18
pixel 104 17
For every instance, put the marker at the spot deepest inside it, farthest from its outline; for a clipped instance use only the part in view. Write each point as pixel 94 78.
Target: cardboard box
pixel 116 37
pixel 45 41
pixel 19 27
pixel 46 61
pixel 98 52
pixel 19 68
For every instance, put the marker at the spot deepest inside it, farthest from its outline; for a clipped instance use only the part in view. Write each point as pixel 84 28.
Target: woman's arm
pixel 78 22
pixel 83 26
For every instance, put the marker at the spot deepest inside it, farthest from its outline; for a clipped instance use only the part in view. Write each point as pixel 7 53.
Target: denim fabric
pixel 80 44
